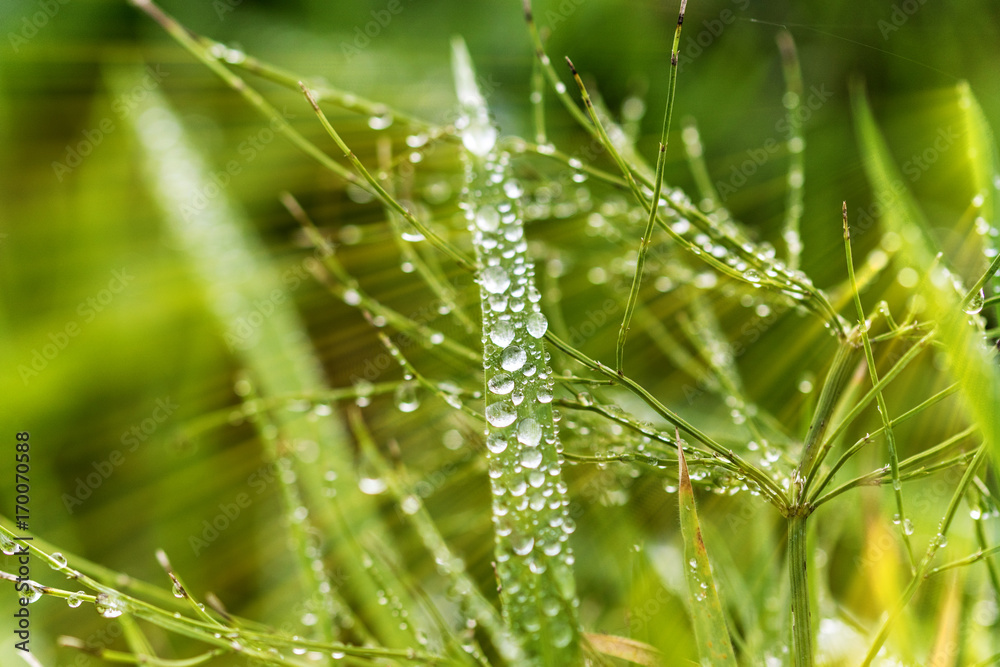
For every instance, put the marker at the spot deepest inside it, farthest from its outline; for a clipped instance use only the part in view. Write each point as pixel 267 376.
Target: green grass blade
pixel 714 645
pixel 970 362
pixel 224 252
pixel 534 560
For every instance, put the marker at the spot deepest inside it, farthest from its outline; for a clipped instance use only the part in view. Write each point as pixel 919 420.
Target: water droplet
pixel 495 279
pixel 410 504
pixel 479 136
pixel 496 443
pixel 975 305
pixel 522 544
pixel 501 384
pixel 59 559
pixel 32 593
pixel 74 600
pixel 907 527
pixel 487 219
pixel 502 333
pixel 380 122
pixel 500 414
pixel 178 591
pixel 513 358
pixel 537 325
pixel 108 606
pixel 751 275
pixel 7 545
pixel 532 458
pixel 406 398
pixel 371 486
pixel 529 433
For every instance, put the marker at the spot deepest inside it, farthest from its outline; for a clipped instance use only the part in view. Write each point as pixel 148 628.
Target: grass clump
pixel 550 426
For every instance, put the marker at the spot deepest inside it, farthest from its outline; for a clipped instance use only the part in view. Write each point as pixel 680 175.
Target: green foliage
pixel 453 460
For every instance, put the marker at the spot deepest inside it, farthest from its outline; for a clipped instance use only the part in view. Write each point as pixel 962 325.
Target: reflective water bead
pixel 513 358
pixel 537 325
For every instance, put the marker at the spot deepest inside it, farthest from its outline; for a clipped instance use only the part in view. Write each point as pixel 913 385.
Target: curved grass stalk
pixel 883 409
pixel 767 485
pixel 223 251
pixel 924 567
pixel 831 436
pixel 532 527
pixel 437 283
pixel 379 191
pixel 449 566
pixel 198 50
pixel 347 289
pixel 661 160
pixel 796 148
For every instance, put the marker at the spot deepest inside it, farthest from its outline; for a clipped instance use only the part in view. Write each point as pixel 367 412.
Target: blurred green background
pixel 67 231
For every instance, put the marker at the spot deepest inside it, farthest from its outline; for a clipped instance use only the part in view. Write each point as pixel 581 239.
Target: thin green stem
pixel 932 549
pixel 864 402
pixel 796 148
pixel 833 387
pixel 767 485
pixel 890 436
pixel 378 190
pixel 798 571
pixel 186 39
pixel 860 444
pixel 981 283
pixel 661 160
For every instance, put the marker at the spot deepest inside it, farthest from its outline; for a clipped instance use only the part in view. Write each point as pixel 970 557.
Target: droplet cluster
pixel 532 525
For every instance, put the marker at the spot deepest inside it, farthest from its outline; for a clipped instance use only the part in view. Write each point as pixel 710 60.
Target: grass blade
pixel 534 560
pixel 970 362
pixel 714 645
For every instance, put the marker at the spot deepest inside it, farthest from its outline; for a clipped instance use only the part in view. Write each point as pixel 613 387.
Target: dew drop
pixel 59 559
pixel 513 358
pixel 975 305
pixel 529 433
pixel 487 219
pixel 500 414
pixel 496 443
pixel 406 398
pixel 410 504
pixel 531 458
pixel 501 384
pixel 522 544
pixel 74 600
pixel 537 325
pixel 371 486
pixel 502 333
pixel 495 280
pixel 108 606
